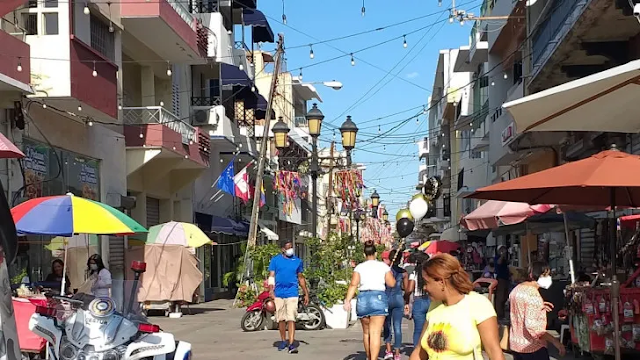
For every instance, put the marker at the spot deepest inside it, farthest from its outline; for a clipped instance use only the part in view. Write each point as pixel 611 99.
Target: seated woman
pixel 54 279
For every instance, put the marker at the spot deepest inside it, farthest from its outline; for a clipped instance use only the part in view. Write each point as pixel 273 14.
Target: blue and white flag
pixel 226 182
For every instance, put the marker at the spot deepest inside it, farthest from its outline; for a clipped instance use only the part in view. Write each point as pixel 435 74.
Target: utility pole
pixel 253 228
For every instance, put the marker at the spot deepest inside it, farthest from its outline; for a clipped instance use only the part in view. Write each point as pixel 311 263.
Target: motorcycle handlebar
pixel 66 299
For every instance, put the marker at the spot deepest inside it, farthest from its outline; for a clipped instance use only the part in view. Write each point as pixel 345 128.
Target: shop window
pixel 51 3
pixel 50 24
pixel 446 204
pixel 30 23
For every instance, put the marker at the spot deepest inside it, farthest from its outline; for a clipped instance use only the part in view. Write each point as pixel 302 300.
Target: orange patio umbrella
pixel 609 178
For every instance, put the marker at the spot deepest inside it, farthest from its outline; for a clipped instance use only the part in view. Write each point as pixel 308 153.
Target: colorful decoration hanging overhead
pixel 376 231
pixel 348 185
pixel 289 188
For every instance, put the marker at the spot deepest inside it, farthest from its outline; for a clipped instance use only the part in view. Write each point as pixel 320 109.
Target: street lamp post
pixel 314 120
pixel 360 215
pixel 348 131
pixel 375 202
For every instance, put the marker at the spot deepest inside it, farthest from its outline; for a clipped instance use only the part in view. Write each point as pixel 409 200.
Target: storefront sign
pixel 508 134
pixel 36 168
pixel 83 179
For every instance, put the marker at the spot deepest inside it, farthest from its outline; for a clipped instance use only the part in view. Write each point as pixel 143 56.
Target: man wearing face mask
pixel 285 273
pixel 528 335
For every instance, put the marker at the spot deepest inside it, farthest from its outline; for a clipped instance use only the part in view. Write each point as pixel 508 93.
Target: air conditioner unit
pixel 207 115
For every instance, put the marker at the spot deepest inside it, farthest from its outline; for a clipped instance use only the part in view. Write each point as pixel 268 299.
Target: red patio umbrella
pixel 8 150
pixel 441 246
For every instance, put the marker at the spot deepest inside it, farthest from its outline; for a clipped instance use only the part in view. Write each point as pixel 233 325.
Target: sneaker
pixel 283 345
pixel 293 349
pixel 397 357
pixel 388 355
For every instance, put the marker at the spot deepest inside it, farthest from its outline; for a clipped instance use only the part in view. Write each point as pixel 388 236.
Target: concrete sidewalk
pixel 214 330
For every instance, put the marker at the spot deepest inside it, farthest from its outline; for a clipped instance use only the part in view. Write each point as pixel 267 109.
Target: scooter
pixel 88 328
pixel 261 314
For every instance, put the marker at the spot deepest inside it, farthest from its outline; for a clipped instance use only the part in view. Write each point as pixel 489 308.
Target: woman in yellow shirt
pixel 460 323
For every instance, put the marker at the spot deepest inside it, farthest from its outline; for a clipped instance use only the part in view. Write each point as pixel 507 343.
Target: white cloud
pixel 413 75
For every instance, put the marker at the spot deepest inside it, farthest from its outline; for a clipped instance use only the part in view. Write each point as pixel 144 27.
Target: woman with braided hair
pixel 460 322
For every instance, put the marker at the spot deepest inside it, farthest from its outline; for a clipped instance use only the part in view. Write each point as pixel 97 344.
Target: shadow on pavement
pixel 360 355
pixel 199 310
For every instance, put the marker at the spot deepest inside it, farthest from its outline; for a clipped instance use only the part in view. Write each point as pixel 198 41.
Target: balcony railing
pixel 206 100
pixel 203 6
pixel 551 32
pixel 181 8
pixel 13 29
pixel 158 115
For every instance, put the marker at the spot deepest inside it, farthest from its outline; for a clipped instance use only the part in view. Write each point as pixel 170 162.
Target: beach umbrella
pixel 177 233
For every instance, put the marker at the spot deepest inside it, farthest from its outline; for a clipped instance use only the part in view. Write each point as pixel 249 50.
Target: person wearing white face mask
pixel 285 273
pixel 528 335
pixel 100 275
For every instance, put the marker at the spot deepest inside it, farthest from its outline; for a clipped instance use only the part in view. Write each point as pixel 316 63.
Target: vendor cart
pixel 591 319
pixel 32 346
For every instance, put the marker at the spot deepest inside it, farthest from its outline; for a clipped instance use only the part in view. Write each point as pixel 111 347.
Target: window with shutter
pixel 153 212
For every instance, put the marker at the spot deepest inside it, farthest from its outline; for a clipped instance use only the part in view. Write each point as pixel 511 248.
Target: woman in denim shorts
pixel 370 278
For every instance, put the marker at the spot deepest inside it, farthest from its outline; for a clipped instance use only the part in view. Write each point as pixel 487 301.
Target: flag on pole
pixel 263 197
pixel 225 183
pixel 241 181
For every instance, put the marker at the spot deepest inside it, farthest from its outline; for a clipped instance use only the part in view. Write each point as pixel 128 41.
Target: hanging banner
pixel 348 186
pixel 290 188
pixel 83 176
pixel 36 167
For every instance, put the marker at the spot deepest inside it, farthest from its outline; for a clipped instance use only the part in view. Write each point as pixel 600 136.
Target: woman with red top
pixel 528 335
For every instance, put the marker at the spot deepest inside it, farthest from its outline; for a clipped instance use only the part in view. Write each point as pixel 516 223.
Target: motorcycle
pixel 88 328
pixel 262 312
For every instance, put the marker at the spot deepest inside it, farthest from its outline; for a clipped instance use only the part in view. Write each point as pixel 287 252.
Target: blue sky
pixel 391 163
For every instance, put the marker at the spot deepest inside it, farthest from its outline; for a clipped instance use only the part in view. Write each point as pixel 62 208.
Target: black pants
pixel 501 297
pixel 542 354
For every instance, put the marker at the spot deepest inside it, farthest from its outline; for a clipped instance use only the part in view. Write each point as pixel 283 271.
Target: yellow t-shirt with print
pixel 452 332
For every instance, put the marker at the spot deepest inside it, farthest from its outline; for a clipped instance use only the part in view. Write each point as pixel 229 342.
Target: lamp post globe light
pixel 314 120
pixel 360 215
pixel 349 130
pixel 280 131
pixel 385 215
pixel 375 202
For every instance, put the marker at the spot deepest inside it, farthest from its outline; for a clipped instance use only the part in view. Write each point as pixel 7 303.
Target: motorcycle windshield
pixel 9 347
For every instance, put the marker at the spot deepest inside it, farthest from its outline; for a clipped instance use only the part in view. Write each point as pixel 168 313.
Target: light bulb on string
pixel 450 19
pixel 353 61
pixel 169 69
pixel 161 103
pixel 141 135
pixel 19 68
pixel 44 105
pixel 404 41
pixel 363 10
pixel 79 107
pixel 300 76
pixel 505 76
pixel 311 54
pixel 119 106
pixel 417 121
pixel 94 73
pixel 111 29
pixel 384 148
pixel 493 83
pixel 461 21
pixel 90 123
pixel 241 66
pixel 86 10
pixel 334 135
pixel 439 2
pixel 379 130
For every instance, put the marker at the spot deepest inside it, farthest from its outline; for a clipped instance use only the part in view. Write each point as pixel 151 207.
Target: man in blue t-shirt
pixel 285 273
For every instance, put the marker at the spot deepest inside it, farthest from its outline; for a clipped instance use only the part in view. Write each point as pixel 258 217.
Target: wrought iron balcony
pixel 206 100
pixel 158 115
pixel 203 6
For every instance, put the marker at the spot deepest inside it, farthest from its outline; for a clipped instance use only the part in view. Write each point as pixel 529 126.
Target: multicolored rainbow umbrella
pixel 66 215
pixel 177 233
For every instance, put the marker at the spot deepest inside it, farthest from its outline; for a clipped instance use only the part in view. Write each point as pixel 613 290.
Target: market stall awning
pixel 232 75
pixel 222 225
pixel 493 214
pixel 604 101
pixel 8 150
pixel 261 30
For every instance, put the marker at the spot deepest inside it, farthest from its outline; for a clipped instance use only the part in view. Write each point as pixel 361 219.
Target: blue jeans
pixel 372 303
pixel 419 314
pixel 396 312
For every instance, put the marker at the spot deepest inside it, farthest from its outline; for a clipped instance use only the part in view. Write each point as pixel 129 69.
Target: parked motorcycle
pixel 261 314
pixel 89 328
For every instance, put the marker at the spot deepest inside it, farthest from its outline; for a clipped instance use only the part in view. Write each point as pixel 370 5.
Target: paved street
pixel 214 330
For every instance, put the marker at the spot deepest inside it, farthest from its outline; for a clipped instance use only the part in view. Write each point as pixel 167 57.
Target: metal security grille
pixel 175 87
pixel 116 252
pixel 153 212
pixel 102 40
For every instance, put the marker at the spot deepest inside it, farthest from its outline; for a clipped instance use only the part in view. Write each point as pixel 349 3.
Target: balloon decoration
pixel 404 213
pixel 404 227
pixel 418 207
pixel 432 189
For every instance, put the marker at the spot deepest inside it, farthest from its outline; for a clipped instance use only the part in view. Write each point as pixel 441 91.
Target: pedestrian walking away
pixel 528 336
pixel 370 278
pixel 503 275
pixel 460 323
pixel 395 295
pixel 421 301
pixel 285 273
